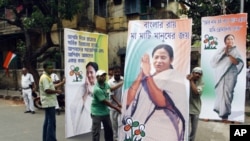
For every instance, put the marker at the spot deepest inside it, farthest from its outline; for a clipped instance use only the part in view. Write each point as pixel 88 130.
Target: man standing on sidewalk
pixel 49 101
pixel 28 85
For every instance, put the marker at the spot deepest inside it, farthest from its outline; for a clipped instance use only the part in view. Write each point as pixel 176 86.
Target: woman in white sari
pixel 228 63
pixel 80 107
pixel 158 102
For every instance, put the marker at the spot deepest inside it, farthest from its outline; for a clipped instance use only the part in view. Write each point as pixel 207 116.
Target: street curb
pixel 10 95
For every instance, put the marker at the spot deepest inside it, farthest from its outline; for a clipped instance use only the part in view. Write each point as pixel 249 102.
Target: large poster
pixel 155 91
pixel 223 59
pixel 82 51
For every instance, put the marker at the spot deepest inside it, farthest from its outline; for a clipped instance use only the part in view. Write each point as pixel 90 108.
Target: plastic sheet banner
pixel 155 91
pixel 81 48
pixel 223 60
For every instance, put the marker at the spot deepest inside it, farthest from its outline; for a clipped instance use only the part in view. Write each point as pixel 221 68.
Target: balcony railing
pixel 6 28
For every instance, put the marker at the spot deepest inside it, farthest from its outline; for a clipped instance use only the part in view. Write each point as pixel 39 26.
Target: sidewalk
pixel 10 94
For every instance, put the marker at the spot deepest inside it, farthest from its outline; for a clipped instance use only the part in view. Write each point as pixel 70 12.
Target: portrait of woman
pixel 158 98
pixel 80 107
pixel 227 63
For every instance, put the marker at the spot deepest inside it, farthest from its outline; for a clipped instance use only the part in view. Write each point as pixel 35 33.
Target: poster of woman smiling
pixel 223 59
pixel 85 53
pixel 155 91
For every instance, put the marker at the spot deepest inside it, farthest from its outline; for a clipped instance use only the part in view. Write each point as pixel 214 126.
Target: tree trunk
pixel 28 61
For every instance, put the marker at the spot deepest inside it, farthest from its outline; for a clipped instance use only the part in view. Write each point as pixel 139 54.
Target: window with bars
pixel 142 6
pixel 100 8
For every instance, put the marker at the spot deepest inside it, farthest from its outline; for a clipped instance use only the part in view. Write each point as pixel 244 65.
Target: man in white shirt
pixel 28 85
pixel 115 98
pixel 56 80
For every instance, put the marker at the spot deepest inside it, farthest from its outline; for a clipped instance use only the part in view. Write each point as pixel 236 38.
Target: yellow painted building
pixel 103 16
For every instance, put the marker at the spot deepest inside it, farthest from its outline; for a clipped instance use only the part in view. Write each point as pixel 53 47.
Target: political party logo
pixel 134 130
pixel 210 42
pixel 76 73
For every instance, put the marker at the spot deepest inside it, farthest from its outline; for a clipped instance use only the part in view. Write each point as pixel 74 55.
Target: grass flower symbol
pixel 210 42
pixel 135 129
pixel 75 71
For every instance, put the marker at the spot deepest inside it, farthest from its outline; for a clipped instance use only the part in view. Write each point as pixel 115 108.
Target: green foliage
pixel 21 46
pixel 43 14
pixel 39 15
pixel 38 20
pixel 202 8
pixel 4 3
pixel 68 8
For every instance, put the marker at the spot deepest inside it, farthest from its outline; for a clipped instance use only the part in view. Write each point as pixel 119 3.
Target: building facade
pixel 104 16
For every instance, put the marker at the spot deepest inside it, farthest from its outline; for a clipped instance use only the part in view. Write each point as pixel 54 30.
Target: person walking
pixel 28 86
pixel 115 97
pixel 48 100
pixel 99 107
pixel 196 87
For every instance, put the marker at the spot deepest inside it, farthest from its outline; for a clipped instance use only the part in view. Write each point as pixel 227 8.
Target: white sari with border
pixel 161 123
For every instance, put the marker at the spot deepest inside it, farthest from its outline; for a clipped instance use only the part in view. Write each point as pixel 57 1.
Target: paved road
pixel 17 126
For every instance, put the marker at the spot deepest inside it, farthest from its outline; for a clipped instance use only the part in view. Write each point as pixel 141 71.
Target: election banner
pixel 223 60
pixel 155 86
pixel 85 53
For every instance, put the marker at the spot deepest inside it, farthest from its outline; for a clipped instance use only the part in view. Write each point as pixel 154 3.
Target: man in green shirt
pixel 100 107
pixel 49 101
